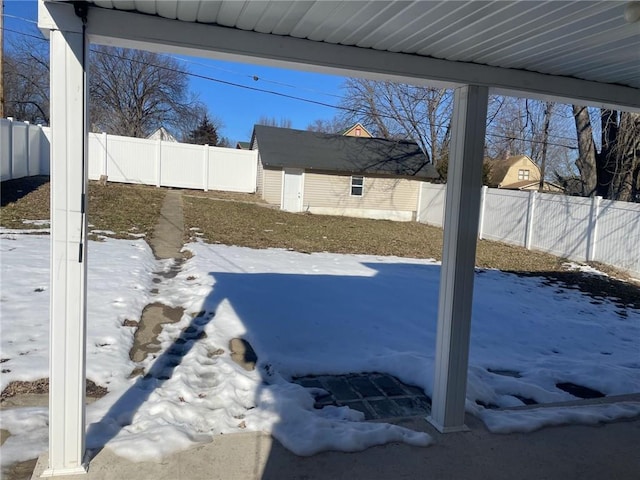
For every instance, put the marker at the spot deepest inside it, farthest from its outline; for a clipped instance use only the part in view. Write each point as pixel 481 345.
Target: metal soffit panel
pixel 581 39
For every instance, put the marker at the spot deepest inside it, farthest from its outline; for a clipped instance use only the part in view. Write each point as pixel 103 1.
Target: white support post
pixel 458 259
pixel 593 228
pixel 531 208
pixel 483 199
pixel 158 162
pixel 205 168
pixel 105 155
pixel 68 245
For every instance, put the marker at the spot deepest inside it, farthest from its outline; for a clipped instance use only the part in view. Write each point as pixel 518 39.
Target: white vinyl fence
pixel 581 229
pixel 24 150
pixel 133 160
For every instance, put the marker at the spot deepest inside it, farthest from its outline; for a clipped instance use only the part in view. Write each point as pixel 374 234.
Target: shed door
pixel 292 190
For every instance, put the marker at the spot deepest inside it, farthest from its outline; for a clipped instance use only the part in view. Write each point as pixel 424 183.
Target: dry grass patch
pixel 256 227
pixel 121 208
pixel 124 209
pixel 230 196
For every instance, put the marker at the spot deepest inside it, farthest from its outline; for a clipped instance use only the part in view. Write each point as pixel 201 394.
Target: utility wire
pixel 293 97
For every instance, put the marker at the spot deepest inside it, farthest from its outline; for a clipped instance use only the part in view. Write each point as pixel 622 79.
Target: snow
pixel 303 314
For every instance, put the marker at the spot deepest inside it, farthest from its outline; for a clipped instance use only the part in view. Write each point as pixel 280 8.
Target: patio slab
pixel 576 452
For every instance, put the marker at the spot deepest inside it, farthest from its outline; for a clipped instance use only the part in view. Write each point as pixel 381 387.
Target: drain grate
pixel 377 395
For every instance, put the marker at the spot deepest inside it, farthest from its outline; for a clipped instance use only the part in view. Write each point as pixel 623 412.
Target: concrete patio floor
pixel 570 452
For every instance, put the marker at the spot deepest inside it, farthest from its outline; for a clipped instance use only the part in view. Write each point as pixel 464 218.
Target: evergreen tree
pixel 204 134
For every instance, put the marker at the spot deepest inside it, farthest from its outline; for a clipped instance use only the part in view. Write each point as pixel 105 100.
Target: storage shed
pixel 333 174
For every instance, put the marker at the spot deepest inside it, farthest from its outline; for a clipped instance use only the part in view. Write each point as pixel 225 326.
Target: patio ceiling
pixel 590 41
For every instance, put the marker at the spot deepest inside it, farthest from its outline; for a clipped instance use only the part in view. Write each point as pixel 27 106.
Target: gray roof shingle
pixel 285 147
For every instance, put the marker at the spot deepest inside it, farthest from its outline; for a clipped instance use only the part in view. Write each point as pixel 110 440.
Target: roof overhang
pixel 132 29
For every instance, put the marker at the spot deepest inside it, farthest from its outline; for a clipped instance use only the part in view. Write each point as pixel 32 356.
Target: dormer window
pixel 523 174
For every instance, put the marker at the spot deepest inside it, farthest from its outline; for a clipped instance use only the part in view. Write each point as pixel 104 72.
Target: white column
pixel 464 182
pixel 68 248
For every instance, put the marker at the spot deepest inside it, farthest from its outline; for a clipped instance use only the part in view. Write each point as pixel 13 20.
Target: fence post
pixel 592 234
pixel 27 147
pixel 158 162
pixel 10 147
pixel 530 211
pixel 483 198
pixel 105 155
pixel 205 167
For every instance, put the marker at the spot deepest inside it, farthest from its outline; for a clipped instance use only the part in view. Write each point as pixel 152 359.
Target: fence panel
pixel 561 225
pixel 96 156
pixel 182 165
pixel 618 235
pixel 131 160
pixel 45 151
pixel 5 149
pixel 232 170
pixel 20 150
pixel 505 218
pixel 432 200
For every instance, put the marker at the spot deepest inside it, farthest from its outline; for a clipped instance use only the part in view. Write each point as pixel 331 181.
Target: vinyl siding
pixel 334 191
pixel 272 185
pixel 259 178
pixel 523 164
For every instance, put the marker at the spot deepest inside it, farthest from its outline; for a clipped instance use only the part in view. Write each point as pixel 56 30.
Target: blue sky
pixel 236 107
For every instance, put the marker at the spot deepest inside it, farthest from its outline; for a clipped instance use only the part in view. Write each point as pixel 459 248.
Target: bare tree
pixel 333 125
pixel 133 92
pixel 393 111
pixel 274 122
pixel 26 80
pixel 614 171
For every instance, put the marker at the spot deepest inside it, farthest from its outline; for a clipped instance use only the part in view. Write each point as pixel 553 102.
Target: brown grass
pixel 258 227
pixel 120 208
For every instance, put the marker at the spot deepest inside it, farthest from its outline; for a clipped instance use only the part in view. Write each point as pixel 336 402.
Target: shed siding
pixel 334 191
pixel 260 178
pixel 272 185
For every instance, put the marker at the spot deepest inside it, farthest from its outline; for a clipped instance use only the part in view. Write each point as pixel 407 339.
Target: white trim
pixel 59 472
pixel 351 185
pixel 462 214
pixel 69 172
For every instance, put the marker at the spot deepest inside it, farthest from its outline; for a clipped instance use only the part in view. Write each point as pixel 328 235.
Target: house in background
pixel 334 174
pixel 357 130
pixel 518 172
pixel 162 134
pixel 243 145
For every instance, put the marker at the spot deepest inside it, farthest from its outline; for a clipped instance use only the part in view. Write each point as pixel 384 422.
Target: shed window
pixel 523 174
pixel 357 186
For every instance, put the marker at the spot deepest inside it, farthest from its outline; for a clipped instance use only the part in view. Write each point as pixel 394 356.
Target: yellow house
pixel 357 130
pixel 329 174
pixel 518 172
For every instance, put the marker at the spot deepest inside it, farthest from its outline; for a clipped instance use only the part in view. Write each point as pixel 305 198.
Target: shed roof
pixel 285 147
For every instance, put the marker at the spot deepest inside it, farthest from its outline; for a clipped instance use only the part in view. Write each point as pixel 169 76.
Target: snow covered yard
pixel 303 314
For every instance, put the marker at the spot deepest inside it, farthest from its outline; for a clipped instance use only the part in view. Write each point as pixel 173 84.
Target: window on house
pixel 523 174
pixel 357 186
